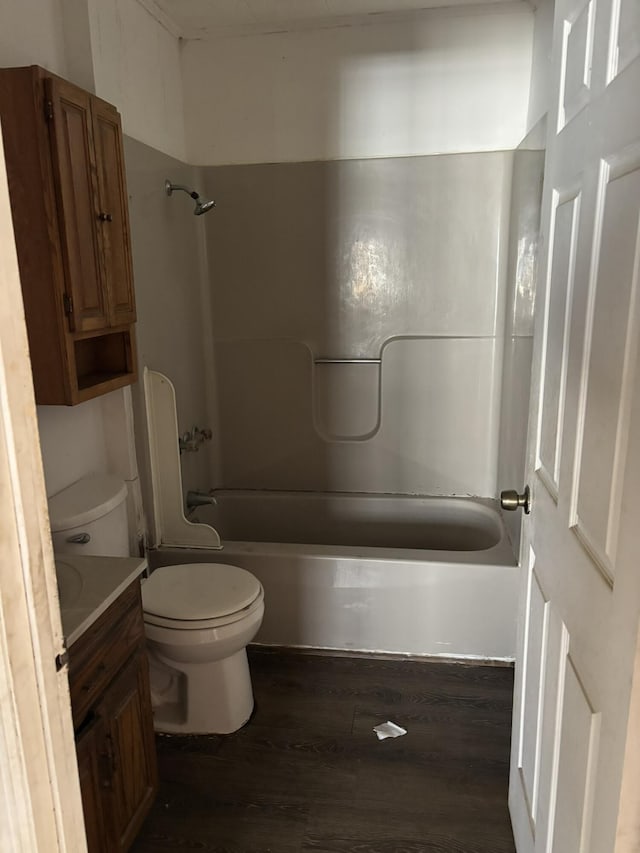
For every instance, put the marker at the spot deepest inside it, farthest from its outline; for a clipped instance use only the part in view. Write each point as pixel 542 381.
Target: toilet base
pixel 200 698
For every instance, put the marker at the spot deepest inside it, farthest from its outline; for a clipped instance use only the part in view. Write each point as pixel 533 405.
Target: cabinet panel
pixel 35 221
pixel 89 751
pixel 77 193
pixel 103 650
pixel 126 709
pixel 113 218
pixel 111 706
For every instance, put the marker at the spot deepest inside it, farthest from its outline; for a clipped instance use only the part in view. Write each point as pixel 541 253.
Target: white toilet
pixel 198 617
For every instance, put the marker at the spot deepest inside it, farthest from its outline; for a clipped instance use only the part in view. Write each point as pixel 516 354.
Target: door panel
pixel 535 656
pixel 577 58
pixel 126 710
pixel 113 200
pixel 625 41
pixel 563 253
pixel 609 361
pixel 76 187
pixel 89 750
pixel 577 762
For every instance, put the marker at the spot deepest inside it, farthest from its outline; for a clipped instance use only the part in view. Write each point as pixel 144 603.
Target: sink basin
pixel 70 583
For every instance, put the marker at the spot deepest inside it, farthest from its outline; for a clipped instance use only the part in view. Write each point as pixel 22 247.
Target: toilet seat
pixel 199 595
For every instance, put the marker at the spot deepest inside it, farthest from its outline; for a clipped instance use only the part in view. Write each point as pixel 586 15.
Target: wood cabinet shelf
pixel 104 359
pixel 65 165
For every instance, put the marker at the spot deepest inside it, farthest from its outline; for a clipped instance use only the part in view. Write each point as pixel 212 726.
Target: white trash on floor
pixel 389 729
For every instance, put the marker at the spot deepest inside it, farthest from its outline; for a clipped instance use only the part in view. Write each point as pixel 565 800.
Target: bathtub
pixel 370 573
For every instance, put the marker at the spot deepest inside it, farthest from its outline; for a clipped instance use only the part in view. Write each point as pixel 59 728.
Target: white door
pixel 581 553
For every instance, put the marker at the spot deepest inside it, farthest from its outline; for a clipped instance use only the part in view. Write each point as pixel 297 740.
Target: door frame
pixel 40 803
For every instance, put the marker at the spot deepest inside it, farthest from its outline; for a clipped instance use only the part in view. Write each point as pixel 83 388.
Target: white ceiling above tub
pixel 210 18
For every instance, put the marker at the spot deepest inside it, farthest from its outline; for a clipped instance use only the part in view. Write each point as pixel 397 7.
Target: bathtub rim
pixel 501 553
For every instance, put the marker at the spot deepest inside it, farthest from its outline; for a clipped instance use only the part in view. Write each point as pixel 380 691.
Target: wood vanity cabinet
pixel 111 707
pixel 65 165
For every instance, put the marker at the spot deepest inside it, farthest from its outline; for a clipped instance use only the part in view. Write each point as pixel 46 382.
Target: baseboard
pixel 374 655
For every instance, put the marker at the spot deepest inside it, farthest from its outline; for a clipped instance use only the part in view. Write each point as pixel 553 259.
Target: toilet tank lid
pixel 85 500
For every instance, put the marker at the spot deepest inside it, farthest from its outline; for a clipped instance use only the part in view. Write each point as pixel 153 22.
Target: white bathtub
pixel 376 573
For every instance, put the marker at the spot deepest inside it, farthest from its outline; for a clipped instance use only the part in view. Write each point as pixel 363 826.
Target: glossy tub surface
pixel 377 573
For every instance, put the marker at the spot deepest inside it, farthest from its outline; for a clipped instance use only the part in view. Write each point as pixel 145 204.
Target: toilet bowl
pixel 199 618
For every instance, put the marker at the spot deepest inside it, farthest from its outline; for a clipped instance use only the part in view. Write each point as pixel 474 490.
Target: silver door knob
pixel 511 500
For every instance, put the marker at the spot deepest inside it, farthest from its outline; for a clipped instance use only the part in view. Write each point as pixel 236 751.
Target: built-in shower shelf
pixel 347 361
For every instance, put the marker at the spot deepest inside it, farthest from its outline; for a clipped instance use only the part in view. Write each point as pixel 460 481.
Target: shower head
pixel 202 206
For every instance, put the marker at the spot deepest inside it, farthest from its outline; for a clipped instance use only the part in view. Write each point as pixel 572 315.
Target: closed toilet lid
pixel 197 591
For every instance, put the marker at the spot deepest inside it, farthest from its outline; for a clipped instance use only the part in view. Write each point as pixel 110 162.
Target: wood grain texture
pixel 75 268
pixel 107 134
pixel 126 711
pixel 307 773
pixel 96 657
pixel 35 220
pixel 74 166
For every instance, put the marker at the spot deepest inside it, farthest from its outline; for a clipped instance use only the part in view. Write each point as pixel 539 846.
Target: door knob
pixel 511 500
pixel 105 217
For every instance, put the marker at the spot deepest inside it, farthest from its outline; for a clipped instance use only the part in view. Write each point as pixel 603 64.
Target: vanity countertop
pixel 88 585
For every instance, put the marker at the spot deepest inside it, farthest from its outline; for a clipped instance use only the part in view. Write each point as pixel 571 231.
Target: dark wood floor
pixel 308 774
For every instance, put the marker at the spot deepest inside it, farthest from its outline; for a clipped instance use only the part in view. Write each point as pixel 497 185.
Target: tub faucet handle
pixel 195 499
pixel 510 500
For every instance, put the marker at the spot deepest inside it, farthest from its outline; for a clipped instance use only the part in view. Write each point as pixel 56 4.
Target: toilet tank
pixel 90 517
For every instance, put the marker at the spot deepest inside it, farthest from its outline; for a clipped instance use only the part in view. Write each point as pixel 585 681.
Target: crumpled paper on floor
pixel 389 729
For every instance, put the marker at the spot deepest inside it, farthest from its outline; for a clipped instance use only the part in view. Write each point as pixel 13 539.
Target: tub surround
pixel 89 585
pixel 357 314
pixel 170 274
pixel 524 237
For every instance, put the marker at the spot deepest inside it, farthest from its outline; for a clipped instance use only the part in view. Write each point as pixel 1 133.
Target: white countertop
pixel 88 585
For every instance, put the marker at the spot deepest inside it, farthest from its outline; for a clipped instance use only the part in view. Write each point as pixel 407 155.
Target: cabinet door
pixel 126 711
pixel 113 216
pixel 94 778
pixel 77 193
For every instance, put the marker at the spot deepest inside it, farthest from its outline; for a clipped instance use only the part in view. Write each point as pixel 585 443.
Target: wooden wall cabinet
pixel 65 165
pixel 111 706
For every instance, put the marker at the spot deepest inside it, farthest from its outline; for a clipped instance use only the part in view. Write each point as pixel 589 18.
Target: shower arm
pixel 169 188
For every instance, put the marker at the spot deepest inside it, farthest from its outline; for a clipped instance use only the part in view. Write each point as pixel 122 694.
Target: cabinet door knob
pixel 105 217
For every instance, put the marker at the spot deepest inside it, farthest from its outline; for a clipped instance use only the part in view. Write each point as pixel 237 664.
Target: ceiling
pixel 207 18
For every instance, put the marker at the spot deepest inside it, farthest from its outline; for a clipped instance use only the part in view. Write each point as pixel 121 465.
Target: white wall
pixel 136 65
pixel 450 81
pixel 73 444
pixel 31 31
pixel 540 92
pixel 113 47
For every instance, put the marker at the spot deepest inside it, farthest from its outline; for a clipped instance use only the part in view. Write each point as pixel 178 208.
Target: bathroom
pixel 331 326
pixel 333 225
